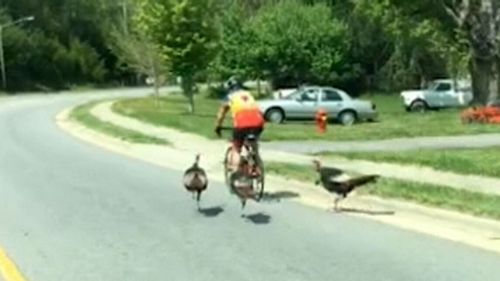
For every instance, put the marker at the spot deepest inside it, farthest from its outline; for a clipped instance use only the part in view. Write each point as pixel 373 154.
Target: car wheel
pixel 347 118
pixel 418 106
pixel 275 115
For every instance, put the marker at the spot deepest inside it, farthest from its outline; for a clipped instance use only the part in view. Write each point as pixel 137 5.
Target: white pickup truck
pixel 440 94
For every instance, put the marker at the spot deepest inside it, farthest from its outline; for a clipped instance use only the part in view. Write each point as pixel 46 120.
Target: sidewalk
pixel 401 144
pixel 214 151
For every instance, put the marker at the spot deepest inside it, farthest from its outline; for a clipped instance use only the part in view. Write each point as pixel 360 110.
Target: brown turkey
pixel 337 182
pixel 242 186
pixel 195 180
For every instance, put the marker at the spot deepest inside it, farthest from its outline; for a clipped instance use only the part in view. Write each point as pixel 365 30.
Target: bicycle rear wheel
pixel 259 180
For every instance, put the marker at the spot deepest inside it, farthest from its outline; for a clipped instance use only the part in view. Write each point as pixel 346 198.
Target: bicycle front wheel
pixel 227 170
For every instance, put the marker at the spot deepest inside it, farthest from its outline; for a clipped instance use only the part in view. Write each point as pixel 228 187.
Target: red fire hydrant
pixel 322 120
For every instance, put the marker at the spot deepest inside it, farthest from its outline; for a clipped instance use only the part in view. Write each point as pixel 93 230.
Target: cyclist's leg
pixel 237 143
pixel 257 132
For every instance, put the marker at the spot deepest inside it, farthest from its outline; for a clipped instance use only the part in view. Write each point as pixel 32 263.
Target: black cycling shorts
pixel 239 135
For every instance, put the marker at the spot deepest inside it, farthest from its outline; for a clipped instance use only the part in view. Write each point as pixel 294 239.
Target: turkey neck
pixel 196 162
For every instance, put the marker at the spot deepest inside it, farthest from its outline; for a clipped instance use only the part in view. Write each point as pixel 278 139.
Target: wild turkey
pixel 242 186
pixel 336 181
pixel 195 180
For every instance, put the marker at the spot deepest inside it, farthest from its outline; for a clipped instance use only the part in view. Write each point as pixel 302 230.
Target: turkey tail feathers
pixel 356 182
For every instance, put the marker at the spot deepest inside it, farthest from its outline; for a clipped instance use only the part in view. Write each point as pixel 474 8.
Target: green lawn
pixel 394 121
pixel 463 161
pixel 473 203
pixel 83 116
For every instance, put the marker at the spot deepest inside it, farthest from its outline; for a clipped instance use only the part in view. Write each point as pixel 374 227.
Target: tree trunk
pixel 156 89
pixel 191 103
pixel 187 87
pixel 497 68
pixel 482 76
pixel 480 21
pixel 156 84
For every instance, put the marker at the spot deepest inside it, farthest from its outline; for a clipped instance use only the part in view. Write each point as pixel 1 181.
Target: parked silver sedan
pixel 305 102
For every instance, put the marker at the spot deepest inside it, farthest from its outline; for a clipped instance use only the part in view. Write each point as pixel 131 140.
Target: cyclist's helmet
pixel 233 84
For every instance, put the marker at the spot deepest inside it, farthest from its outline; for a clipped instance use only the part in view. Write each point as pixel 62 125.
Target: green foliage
pixel 46 62
pixel 422 44
pixel 63 46
pixel 233 56
pixel 186 34
pixel 353 44
pixel 137 52
pixel 184 30
pixel 286 42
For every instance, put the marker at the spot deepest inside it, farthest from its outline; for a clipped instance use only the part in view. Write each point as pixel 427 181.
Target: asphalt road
pixel 71 211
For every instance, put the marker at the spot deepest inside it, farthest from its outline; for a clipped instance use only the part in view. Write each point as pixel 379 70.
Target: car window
pixel 295 95
pixel 309 95
pixel 442 87
pixel 330 95
pixel 432 86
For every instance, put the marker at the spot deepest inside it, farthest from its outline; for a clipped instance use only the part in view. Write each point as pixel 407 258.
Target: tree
pixel 480 22
pixel 473 22
pixel 293 43
pixel 138 52
pixel 64 45
pixel 186 34
pixel 418 44
pixel 234 45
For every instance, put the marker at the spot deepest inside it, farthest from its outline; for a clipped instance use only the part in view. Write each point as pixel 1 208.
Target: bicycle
pixel 251 166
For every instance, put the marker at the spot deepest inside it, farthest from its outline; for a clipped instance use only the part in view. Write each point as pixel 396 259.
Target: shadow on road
pixel 276 197
pixel 367 212
pixel 211 212
pixel 258 218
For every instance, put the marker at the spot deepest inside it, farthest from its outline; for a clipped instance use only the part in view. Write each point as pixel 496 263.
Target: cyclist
pixel 247 118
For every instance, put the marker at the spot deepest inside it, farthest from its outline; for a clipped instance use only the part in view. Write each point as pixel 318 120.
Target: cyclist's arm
pixel 221 115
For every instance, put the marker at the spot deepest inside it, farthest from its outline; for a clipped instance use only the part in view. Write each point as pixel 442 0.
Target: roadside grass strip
pixel 82 115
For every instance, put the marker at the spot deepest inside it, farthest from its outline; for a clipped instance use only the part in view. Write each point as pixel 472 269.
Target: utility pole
pixel 2 56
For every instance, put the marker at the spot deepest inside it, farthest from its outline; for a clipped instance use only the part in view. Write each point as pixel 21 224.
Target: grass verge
pixel 463 161
pixel 473 203
pixel 394 121
pixel 82 115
